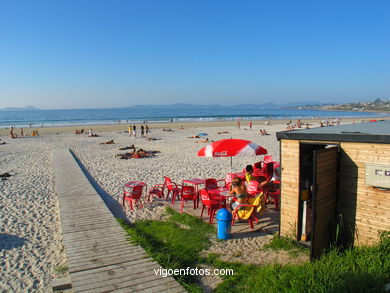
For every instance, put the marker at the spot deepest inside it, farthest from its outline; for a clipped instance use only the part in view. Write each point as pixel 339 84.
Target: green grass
pixel 176 244
pixel 355 270
pixel 283 243
pixel 61 270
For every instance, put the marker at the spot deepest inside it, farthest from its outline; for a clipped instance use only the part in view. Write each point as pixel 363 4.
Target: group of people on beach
pixel 135 154
pixel 12 133
pixel 263 132
pixel 298 124
pixel 133 130
pixel 238 124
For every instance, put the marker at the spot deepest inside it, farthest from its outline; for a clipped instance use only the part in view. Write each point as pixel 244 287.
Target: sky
pixel 116 53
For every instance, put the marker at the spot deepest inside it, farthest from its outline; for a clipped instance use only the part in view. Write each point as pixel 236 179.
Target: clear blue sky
pixel 84 53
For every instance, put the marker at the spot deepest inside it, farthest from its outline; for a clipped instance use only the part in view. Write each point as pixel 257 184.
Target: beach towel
pixel 258 202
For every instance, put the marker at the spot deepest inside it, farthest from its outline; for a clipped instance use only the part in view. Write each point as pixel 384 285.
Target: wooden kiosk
pixel 335 183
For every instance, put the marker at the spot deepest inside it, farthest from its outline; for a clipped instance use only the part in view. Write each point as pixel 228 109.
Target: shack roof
pixel 373 132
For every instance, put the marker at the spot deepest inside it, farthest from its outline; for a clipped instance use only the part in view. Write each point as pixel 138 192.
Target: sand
pixel 31 245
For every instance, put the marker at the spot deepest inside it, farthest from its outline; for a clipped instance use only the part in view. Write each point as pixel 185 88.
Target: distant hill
pixel 377 105
pixel 28 108
pixel 218 106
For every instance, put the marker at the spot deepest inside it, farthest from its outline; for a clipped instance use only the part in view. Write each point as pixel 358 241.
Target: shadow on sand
pixel 8 241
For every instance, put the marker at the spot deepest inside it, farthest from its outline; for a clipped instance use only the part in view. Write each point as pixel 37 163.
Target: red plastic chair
pixel 188 193
pixel 253 188
pixel 172 187
pixel 267 159
pixel 157 190
pixel 212 183
pixel 228 180
pixel 258 167
pixel 135 194
pixel 252 216
pixel 274 193
pixel 268 170
pixel 211 204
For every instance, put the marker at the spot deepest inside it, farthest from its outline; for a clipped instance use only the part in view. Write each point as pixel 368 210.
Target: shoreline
pixel 257 124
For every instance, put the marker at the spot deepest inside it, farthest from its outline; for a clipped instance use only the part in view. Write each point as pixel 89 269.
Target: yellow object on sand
pixel 258 202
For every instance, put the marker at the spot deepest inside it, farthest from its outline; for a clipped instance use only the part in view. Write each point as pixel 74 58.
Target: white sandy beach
pixel 31 245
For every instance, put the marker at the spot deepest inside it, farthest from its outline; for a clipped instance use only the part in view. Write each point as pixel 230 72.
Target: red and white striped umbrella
pixel 232 148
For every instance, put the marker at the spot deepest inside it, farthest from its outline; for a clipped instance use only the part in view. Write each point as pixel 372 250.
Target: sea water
pixel 154 114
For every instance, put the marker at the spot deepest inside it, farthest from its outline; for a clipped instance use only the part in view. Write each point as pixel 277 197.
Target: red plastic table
pixel 221 192
pixel 132 184
pixel 196 182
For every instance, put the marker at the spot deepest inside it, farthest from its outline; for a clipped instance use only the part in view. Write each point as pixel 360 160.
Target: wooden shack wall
pixel 365 209
pixel 289 202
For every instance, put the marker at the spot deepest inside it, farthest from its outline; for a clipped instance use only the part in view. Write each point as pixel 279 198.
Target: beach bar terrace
pixel 335 184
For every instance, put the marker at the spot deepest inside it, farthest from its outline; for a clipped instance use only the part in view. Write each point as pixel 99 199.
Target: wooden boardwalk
pixel 100 258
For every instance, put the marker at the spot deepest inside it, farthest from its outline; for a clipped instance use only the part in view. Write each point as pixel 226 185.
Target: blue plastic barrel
pixel 224 218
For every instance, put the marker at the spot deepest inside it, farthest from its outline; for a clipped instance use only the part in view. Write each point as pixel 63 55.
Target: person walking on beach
pixel 135 130
pixel 250 125
pixel 130 130
pixel 146 129
pixel 142 131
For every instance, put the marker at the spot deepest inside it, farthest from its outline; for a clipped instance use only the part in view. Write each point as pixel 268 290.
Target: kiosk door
pixel 325 171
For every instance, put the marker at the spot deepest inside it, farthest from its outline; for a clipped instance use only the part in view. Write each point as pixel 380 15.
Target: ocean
pixel 155 114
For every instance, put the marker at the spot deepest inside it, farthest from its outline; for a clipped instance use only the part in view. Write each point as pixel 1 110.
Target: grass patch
pixel 282 243
pixel 61 270
pixel 356 270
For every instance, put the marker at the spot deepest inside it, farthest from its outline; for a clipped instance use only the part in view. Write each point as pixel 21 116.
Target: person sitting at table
pixel 240 192
pixel 248 174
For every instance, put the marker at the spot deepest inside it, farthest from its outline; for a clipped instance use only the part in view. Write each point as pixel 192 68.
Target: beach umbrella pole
pixel 231 164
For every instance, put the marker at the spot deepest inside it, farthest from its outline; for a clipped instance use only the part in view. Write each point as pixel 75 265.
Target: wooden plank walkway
pixel 100 258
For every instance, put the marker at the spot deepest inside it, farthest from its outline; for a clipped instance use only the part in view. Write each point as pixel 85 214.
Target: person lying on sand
pixel 223 132
pixel 202 141
pixel 5 176
pixel 153 138
pixel 167 129
pixel 108 142
pixel 194 136
pixel 132 147
pixel 141 153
